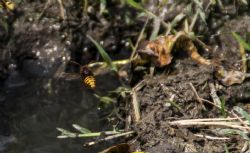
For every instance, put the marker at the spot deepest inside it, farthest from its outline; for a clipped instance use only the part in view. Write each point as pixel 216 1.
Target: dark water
pixel 42 105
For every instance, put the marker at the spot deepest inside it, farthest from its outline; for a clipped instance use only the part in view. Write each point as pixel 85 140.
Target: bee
pixel 7 5
pixel 159 51
pixel 86 75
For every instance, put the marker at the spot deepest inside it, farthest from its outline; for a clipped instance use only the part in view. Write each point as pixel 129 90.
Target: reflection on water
pixel 44 104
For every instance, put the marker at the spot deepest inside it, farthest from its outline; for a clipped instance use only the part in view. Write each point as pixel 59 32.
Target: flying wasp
pixel 85 74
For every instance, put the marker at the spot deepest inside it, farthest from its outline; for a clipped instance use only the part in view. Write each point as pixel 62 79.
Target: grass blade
pixel 103 53
pixel 242 113
pixel 241 41
pixel 81 129
pixel 135 5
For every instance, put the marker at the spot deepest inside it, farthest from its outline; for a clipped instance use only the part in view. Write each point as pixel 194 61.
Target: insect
pixel 7 5
pixel 159 51
pixel 85 74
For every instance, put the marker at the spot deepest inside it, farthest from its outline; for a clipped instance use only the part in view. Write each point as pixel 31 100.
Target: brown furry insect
pixel 159 50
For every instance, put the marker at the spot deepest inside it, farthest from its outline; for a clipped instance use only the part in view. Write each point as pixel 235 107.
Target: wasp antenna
pixel 73 62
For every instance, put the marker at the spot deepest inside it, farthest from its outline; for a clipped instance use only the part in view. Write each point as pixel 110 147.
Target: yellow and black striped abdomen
pixel 88 77
pixel 89 81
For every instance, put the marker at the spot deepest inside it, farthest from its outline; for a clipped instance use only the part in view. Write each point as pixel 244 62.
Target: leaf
pixel 242 113
pixel 244 2
pixel 177 19
pixel 222 106
pixel 135 5
pixel 139 7
pixel 103 4
pixel 103 53
pixel 202 15
pixel 105 99
pixel 232 132
pixel 156 28
pixel 81 129
pixel 226 148
pixel 66 133
pixel 241 41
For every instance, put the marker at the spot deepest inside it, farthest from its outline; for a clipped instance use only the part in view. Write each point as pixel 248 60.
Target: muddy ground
pixel 157 94
pixel 37 39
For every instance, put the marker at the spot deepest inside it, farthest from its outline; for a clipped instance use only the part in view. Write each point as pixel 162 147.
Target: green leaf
pixel 81 129
pixel 177 19
pixel 135 5
pixel 139 7
pixel 222 106
pixel 103 53
pixel 66 133
pixel 103 4
pixel 156 28
pixel 226 148
pixel 240 40
pixel 202 15
pixel 242 113
pixel 232 132
pixel 105 99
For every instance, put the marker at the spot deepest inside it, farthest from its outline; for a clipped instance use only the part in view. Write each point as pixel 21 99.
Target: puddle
pixel 44 104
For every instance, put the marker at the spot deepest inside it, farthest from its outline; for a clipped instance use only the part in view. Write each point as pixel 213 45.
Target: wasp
pixel 159 50
pixel 7 5
pixel 86 75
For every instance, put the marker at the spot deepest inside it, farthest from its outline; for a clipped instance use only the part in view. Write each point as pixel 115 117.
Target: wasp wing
pixel 69 76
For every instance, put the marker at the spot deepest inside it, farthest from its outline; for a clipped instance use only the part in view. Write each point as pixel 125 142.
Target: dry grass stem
pixel 211 137
pixel 135 106
pixel 214 95
pixel 62 10
pixel 196 95
pixel 244 123
pixel 224 122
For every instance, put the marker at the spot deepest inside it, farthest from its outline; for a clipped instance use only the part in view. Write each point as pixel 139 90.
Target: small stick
pixel 211 137
pixel 135 106
pixel 196 95
pixel 234 125
pixel 214 95
pixel 62 13
pixel 241 121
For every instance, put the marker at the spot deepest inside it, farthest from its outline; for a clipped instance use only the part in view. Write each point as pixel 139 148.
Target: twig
pixel 196 95
pixel 211 137
pixel 214 95
pixel 62 10
pixel 241 121
pixel 206 120
pixel 216 122
pixel 47 5
pixel 135 106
